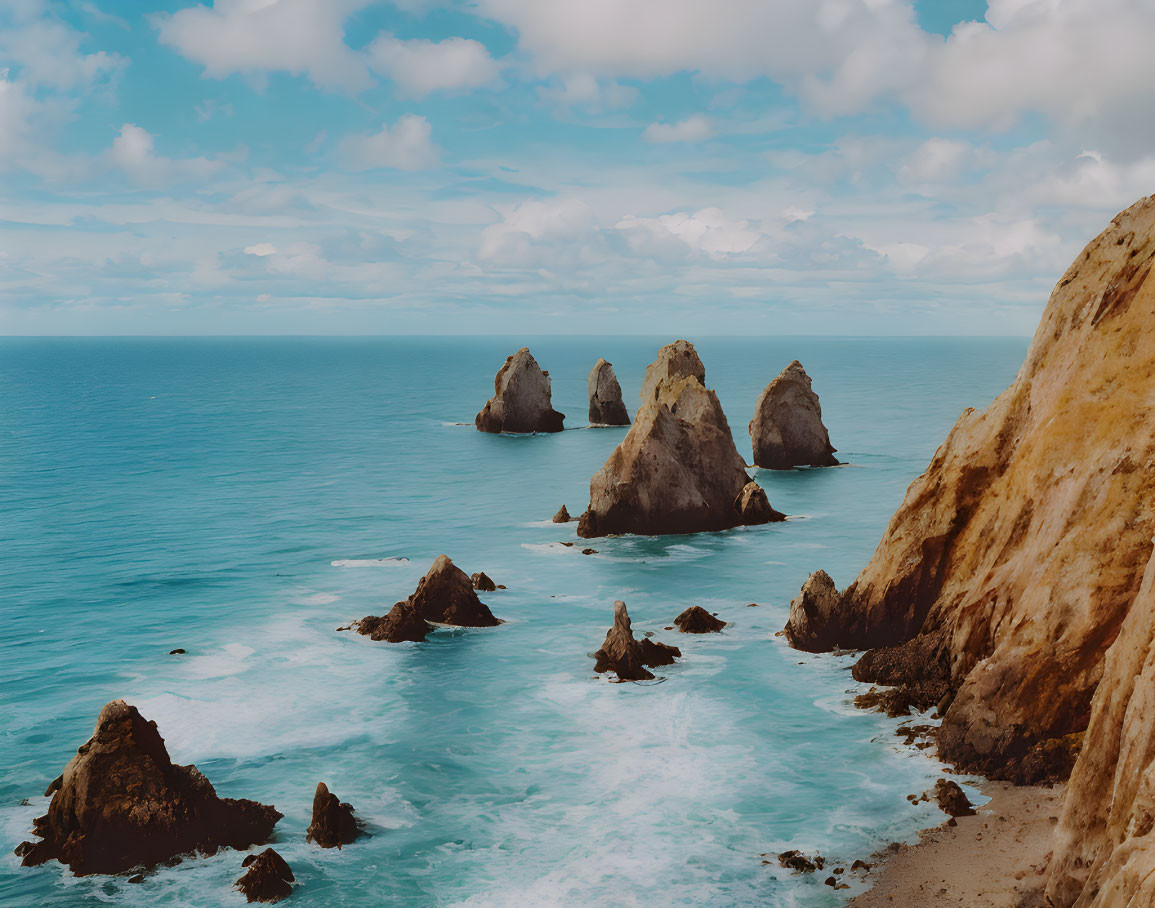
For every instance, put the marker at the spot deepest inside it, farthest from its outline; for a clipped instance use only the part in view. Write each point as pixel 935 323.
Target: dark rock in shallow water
pixel 787 429
pixel 813 622
pixel 333 823
pixel 122 803
pixel 627 657
pixel 562 516
pixel 481 581
pixel 521 399
pixel 796 860
pixel 696 620
pixel 268 878
pixel 176 652
pixel 589 551
pixel 754 508
pixel 606 407
pixel 403 624
pixel 445 595
pixel 951 799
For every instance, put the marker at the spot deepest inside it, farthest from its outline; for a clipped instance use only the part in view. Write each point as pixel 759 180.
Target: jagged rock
pixel 674 361
pixel 796 860
pixel 754 508
pixel 521 399
pixel 403 624
pixel 334 823
pixel 445 595
pixel 481 581
pixel 787 429
pixel 122 803
pixel 562 516
pixel 606 407
pixel 268 878
pixel 696 620
pixel 1015 558
pixel 812 625
pixel 627 657
pixel 951 799
pixel 677 470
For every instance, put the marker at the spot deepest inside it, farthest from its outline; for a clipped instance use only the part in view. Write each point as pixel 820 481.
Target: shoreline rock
pixel 605 394
pixel 628 658
pixel 521 401
pixel 122 803
pixel 787 429
pixel 267 879
pixel 334 823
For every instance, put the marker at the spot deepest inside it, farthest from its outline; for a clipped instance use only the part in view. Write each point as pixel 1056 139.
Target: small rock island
pixel 787 429
pixel 606 406
pixel 628 658
pixel 521 401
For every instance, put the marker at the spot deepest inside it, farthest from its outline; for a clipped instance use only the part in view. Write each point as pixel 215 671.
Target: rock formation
pixel 445 595
pixel 813 622
pixel 952 800
pixel 333 823
pixel 521 399
pixel 606 407
pixel 754 507
pixel 562 515
pixel 1014 559
pixel 268 878
pixel 787 429
pixel 481 581
pixel 403 624
pixel 677 470
pixel 122 803
pixel 696 620
pixel 627 657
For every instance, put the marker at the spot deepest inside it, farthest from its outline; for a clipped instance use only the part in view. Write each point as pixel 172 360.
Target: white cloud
pixel 407 145
pixel 554 233
pixel 695 128
pixel 302 37
pixel 421 67
pixel 708 231
pixel 134 152
pixel 261 249
pixel 47 53
pixel 586 91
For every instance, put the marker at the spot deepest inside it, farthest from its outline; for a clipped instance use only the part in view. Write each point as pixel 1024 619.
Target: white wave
pixel 370 562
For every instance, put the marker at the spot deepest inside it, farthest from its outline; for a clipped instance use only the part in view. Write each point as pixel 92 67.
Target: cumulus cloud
pixel 709 231
pixel 584 90
pixel 420 67
pixel 692 129
pixel 47 53
pixel 134 152
pixel 553 232
pixel 407 145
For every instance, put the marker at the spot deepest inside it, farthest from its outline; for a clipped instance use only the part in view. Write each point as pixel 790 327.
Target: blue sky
pixel 550 166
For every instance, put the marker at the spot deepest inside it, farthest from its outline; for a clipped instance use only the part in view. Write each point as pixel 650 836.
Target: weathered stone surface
pixel 562 515
pixel 481 581
pixel 445 595
pixel 628 658
pixel 606 407
pixel 787 429
pixel 267 879
pixel 677 470
pixel 813 625
pixel 334 823
pixel 696 620
pixel 521 399
pixel 951 799
pixel 1016 556
pixel 674 361
pixel 403 624
pixel 753 506
pixel 122 803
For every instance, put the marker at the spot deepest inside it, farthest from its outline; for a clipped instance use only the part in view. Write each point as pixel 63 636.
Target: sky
pixel 754 167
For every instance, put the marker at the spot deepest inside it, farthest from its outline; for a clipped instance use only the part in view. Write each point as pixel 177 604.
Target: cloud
pixel 421 67
pixel 407 145
pixel 254 37
pixel 586 91
pixel 709 231
pixel 133 151
pixel 47 53
pixel 553 233
pixel 696 128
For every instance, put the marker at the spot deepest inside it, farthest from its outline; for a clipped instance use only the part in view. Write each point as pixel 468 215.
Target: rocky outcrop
pixel 334 823
pixel 268 878
pixel 481 581
pixel 787 429
pixel 521 399
pixel 606 407
pixel 403 624
pixel 122 803
pixel 753 506
pixel 951 799
pixel 562 515
pixel 628 658
pixel 445 595
pixel 696 620
pixel 1015 558
pixel 813 622
pixel 677 470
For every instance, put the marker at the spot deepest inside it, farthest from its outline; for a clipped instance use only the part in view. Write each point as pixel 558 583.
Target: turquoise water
pixel 243 498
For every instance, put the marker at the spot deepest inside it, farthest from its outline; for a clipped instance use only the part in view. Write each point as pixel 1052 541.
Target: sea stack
pixel 562 515
pixel 677 470
pixel 813 622
pixel 606 407
pixel 122 803
pixel 521 399
pixel 445 595
pixel 696 620
pixel 268 877
pixel 1018 573
pixel 787 429
pixel 334 823
pixel 628 658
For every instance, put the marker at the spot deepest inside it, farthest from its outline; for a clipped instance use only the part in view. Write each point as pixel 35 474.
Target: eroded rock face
pixel 521 399
pixel 562 515
pixel 606 407
pixel 403 624
pixel 677 470
pixel 674 361
pixel 952 800
pixel 445 595
pixel 628 658
pixel 1013 561
pixel 753 506
pixel 787 429
pixel 481 581
pixel 334 823
pixel 813 622
pixel 268 878
pixel 696 620
pixel 122 803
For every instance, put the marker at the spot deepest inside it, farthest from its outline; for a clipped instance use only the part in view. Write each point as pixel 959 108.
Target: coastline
pixel 997 858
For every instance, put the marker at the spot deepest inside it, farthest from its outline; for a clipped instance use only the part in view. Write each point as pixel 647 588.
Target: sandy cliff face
pixel 1007 571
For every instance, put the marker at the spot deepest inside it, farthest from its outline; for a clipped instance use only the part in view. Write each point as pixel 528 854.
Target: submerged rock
pixel 334 823
pixel 677 470
pixel 403 624
pixel 606 407
pixel 521 399
pixel 122 803
pixel 696 620
pixel 813 622
pixel 562 516
pixel 627 657
pixel 787 429
pixel 481 581
pixel 268 878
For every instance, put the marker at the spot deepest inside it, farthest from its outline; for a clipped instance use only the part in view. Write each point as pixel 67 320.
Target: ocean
pixel 242 498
